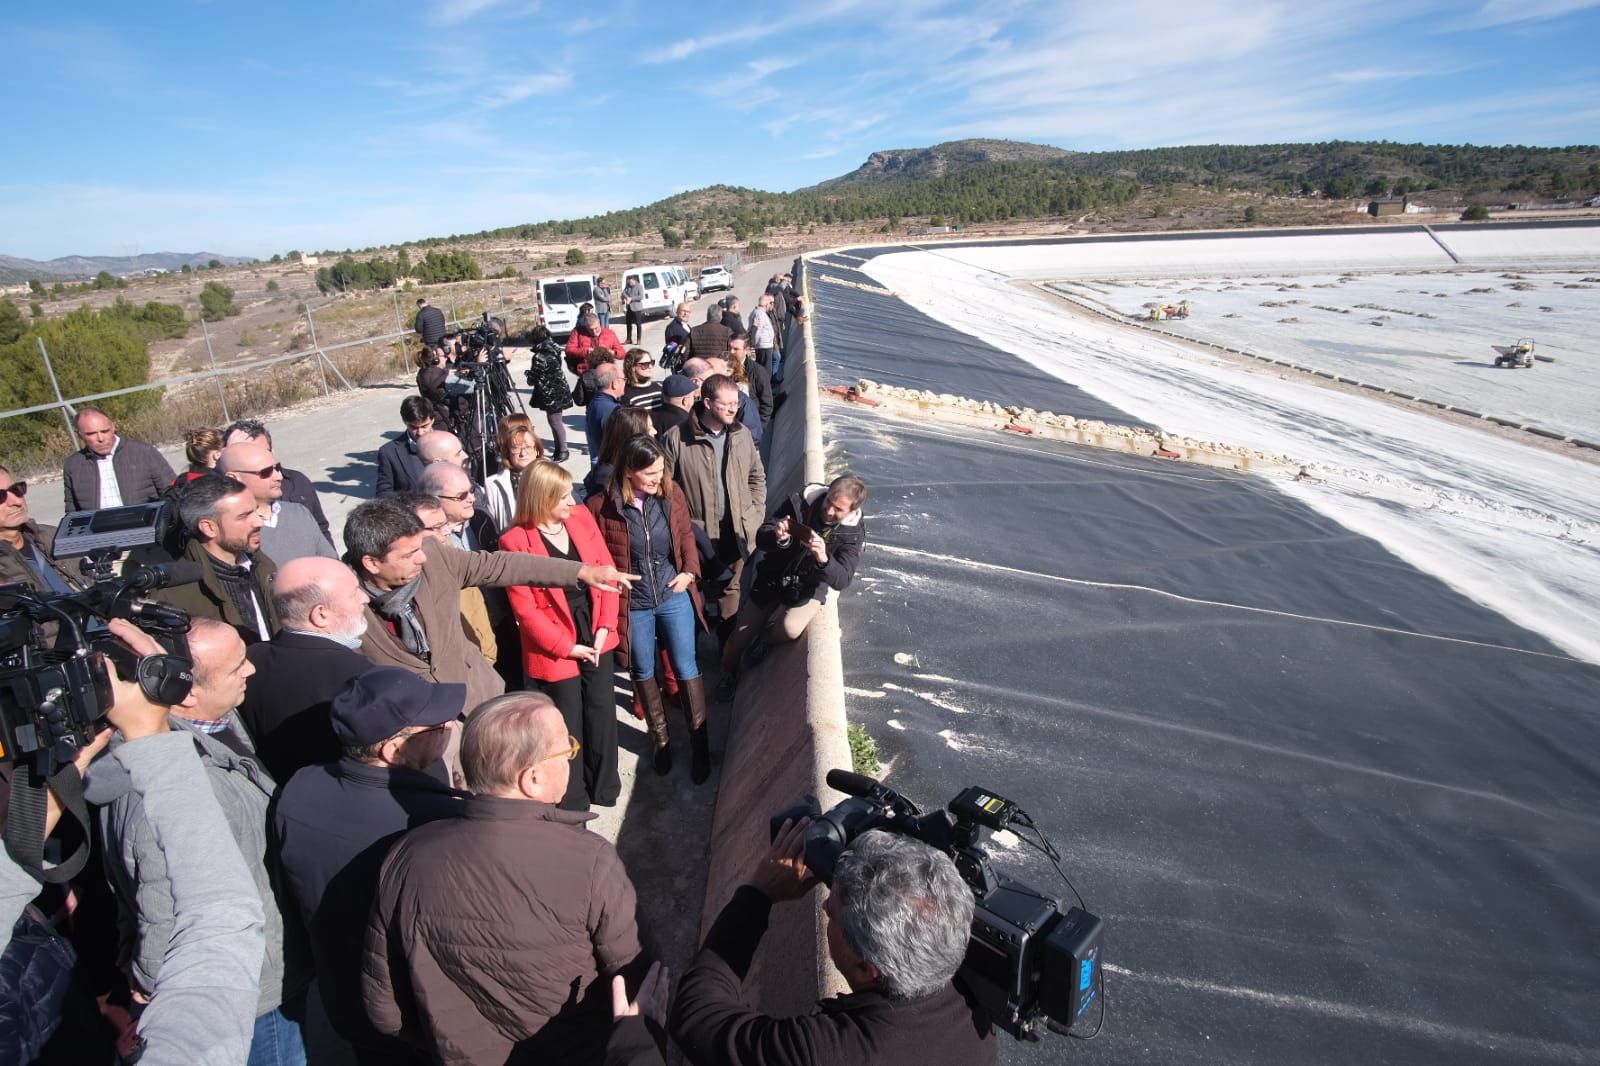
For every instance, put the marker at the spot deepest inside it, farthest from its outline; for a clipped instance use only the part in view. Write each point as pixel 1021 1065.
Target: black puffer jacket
pixel 549 384
pixel 807 578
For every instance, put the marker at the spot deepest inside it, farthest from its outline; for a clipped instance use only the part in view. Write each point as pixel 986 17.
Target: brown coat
pixel 495 936
pixel 446 571
pixel 207 598
pixel 685 556
pixel 709 340
pixel 18 569
pixel 143 474
pixel 692 464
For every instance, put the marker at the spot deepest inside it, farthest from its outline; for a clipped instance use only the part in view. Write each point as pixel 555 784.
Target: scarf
pixel 395 606
pixel 239 583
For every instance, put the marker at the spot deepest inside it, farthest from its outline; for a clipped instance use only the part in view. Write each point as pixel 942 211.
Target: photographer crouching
pixel 899 916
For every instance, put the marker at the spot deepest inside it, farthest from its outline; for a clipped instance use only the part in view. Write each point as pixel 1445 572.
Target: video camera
pixel 485 337
pixel 1027 961
pixel 54 689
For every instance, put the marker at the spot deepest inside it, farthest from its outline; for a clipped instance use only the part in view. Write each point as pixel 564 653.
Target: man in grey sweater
pixel 203 1005
pixel 137 865
pixel 288 529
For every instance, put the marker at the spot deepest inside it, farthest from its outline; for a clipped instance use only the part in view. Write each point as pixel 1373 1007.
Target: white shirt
pixel 110 491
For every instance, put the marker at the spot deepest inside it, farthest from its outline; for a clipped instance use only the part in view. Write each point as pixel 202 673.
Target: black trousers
pixel 635 326
pixel 589 706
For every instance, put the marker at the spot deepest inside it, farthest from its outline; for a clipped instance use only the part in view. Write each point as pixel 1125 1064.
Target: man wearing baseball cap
pixel 335 823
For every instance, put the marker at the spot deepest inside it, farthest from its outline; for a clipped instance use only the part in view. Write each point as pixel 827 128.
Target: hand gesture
pixel 584 654
pixel 606 578
pixel 782 873
pixel 653 996
pixel 681 582
pixel 783 529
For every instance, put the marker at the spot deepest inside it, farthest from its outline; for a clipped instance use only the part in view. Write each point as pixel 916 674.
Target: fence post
pixel 317 347
pixel 216 377
pixel 56 388
pixel 400 329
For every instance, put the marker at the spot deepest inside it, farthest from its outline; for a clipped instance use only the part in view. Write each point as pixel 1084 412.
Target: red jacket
pixel 548 632
pixel 580 344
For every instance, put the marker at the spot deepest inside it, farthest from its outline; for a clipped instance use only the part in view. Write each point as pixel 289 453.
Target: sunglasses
pixel 275 468
pixel 458 497
pixel 17 488
pixel 434 728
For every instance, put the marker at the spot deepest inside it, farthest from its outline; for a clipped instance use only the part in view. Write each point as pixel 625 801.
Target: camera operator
pixel 202 1006
pixel 899 916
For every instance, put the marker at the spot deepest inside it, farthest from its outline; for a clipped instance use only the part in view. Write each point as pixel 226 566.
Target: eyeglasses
pixel 458 497
pixel 275 468
pixel 569 753
pixel 432 729
pixel 17 488
pixel 645 363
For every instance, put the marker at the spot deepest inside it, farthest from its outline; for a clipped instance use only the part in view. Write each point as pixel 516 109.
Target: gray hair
pixel 198 499
pixel 295 604
pixel 591 320
pixel 605 375
pixel 372 528
pixel 903 907
pixel 502 738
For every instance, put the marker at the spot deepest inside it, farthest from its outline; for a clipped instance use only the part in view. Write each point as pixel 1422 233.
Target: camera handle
pixel 24 833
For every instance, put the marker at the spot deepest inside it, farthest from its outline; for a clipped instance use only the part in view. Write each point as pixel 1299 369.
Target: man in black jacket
pixel 812 543
pixel 899 916
pixel 429 323
pixel 399 464
pixel 298 672
pixel 334 825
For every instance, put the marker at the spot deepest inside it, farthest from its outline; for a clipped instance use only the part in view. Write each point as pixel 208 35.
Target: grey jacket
pixel 204 1008
pixel 136 863
pixel 142 475
pixel 740 483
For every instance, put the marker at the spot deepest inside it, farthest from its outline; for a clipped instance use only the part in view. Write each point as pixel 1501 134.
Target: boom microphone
pixel 852 784
pixel 163 575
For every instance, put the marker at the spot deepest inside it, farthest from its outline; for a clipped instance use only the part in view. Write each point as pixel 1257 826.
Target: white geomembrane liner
pixel 1515 527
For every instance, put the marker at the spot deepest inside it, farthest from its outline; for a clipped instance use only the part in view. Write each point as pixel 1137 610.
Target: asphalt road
pixel 1329 808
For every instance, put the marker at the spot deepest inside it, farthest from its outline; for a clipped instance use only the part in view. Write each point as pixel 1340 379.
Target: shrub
pixel 1475 213
pixel 863 751
pixel 575 257
pixel 216 302
pixel 272 286
pixel 1252 215
pixel 671 238
pixel 756 247
pixel 152 321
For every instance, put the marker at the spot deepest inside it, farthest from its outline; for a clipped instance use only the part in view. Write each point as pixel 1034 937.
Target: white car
pixel 715 277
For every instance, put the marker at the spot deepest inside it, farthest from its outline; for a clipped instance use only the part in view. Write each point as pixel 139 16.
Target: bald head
pixel 252 463
pixel 441 446
pixel 321 596
pixel 449 483
pixel 220 670
pixel 696 368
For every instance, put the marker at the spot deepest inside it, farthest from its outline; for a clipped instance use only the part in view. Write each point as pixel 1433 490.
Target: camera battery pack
pixel 1069 979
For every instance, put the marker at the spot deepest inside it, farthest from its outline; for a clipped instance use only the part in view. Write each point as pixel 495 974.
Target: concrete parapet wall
pixel 787 730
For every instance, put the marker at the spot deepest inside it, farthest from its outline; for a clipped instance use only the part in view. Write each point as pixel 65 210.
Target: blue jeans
pixel 277 1041
pixel 605 320
pixel 674 620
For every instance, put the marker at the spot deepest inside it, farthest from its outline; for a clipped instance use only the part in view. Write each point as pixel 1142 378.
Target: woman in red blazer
pixel 568 635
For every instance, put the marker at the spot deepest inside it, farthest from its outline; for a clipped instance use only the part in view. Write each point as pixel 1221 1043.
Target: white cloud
pixel 1505 12
pixel 520 89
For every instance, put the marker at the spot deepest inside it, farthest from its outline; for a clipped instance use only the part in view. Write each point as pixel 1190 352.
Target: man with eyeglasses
pixel 335 823
pixel 495 936
pixel 288 530
pixel 25 545
pixel 297 488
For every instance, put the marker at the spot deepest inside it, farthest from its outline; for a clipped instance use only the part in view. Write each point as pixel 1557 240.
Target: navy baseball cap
pixel 375 705
pixel 678 385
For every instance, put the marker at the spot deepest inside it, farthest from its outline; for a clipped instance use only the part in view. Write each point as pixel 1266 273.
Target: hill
pixel 73 267
pixel 917 164
pixel 978 181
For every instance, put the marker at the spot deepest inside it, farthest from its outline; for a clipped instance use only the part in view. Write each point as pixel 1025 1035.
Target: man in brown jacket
pixel 496 935
pixel 713 459
pixel 223 524
pixel 413 584
pixel 110 470
pixel 25 546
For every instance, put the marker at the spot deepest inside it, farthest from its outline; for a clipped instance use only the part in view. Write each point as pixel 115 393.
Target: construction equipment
pixel 1158 312
pixel 1515 355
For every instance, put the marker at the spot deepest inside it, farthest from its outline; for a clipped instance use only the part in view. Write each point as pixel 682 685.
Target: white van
pixel 559 300
pixel 690 285
pixel 661 291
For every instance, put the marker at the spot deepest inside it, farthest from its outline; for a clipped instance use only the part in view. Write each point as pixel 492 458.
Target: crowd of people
pixel 376 789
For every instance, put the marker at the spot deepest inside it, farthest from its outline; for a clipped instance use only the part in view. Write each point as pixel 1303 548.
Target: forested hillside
pixel 966 182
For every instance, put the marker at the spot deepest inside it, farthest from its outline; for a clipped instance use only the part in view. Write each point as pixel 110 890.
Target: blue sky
pixel 248 128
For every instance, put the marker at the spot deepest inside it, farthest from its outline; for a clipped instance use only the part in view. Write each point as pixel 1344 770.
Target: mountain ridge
pixel 14 269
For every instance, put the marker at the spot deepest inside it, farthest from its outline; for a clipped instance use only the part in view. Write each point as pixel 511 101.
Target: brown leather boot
pixel 694 698
pixel 655 713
